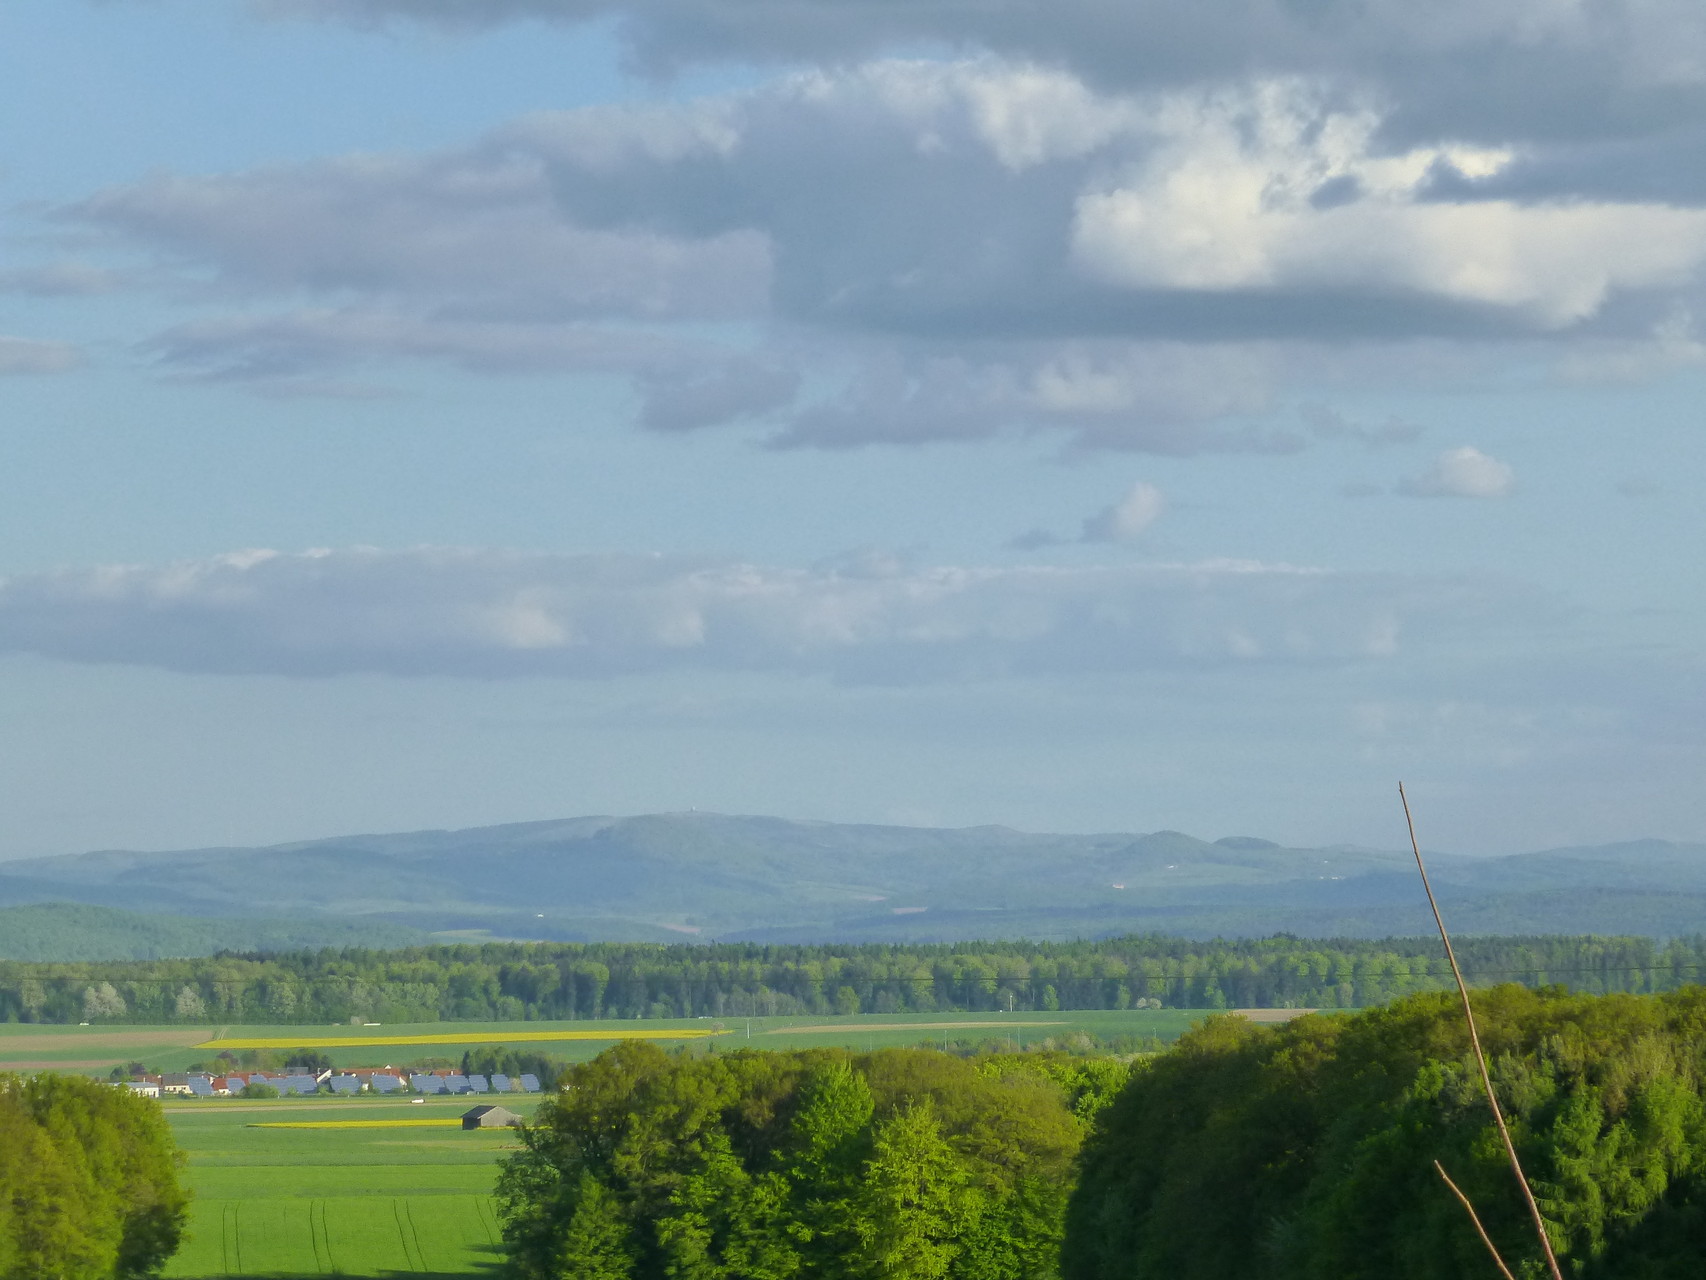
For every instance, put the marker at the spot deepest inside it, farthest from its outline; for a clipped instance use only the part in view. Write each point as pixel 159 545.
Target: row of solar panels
pixel 202 1088
pixel 526 1083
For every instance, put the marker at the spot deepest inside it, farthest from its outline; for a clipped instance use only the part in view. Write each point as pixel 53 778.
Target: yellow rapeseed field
pixel 310 1040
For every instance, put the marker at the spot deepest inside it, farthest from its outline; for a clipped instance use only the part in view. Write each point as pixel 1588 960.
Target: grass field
pixel 358 1195
pixel 98 1048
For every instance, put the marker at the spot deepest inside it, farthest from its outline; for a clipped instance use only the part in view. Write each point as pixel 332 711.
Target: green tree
pixel 912 1206
pixel 88 1181
pixel 596 1243
pixel 829 1141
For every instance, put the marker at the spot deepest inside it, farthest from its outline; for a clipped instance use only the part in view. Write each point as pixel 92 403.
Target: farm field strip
pixel 354 1124
pixel 518 1036
pixel 860 1028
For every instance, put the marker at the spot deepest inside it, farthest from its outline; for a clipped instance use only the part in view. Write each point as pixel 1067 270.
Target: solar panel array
pixel 529 1082
pixel 500 1084
pixel 476 1084
pixel 427 1083
pixel 345 1084
pixel 201 1086
pixel 385 1084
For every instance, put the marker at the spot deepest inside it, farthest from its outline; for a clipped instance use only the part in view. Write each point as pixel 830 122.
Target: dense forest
pixel 88 1181
pixel 1307 1150
pixel 768 1165
pixel 1274 1153
pixel 515 981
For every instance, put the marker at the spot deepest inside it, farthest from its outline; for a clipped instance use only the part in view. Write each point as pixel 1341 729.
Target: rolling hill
pixel 676 877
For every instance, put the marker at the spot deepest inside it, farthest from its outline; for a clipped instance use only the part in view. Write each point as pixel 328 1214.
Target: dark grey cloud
pixel 503 614
pixel 1473 68
pixel 472 233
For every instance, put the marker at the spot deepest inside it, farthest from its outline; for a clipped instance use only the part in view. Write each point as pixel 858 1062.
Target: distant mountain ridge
pixel 681 876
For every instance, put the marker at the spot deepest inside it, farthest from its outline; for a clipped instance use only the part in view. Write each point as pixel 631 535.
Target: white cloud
pixel 1270 189
pixel 1127 518
pixel 493 613
pixel 1464 472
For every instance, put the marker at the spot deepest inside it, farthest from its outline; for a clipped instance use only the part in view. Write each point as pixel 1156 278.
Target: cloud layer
pixel 906 250
pixel 496 614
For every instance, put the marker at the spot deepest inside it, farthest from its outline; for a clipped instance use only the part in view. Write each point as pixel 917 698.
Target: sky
pixel 1082 416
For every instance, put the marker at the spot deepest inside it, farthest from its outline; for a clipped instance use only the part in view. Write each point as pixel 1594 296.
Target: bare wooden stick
pixel 1476 1219
pixel 1481 1058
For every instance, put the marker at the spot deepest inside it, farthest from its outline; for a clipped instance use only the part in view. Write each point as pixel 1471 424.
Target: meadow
pixel 359 1194
pixel 96 1049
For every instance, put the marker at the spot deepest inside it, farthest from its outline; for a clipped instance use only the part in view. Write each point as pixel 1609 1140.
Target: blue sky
pixel 1075 416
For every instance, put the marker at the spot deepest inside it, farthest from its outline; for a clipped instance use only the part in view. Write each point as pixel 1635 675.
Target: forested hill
pixel 709 876
pixel 59 931
pixel 512 981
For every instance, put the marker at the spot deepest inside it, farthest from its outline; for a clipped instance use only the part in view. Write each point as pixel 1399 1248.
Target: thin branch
pixel 1481 1058
pixel 1476 1219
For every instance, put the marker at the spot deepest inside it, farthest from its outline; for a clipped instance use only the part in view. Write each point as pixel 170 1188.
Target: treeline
pixel 769 1165
pixel 88 1182
pixel 517 981
pixel 1308 1150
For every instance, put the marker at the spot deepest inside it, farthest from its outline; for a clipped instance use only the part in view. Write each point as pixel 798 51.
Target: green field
pixel 355 1201
pixel 96 1049
pixel 939 1029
